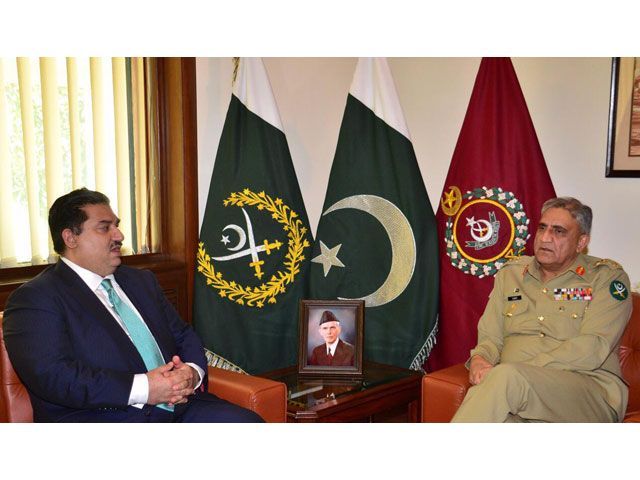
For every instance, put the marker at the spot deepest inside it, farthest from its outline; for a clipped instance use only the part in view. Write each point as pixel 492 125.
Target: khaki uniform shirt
pixel 573 322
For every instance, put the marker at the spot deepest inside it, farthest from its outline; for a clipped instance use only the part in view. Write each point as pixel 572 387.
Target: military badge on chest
pixel 579 293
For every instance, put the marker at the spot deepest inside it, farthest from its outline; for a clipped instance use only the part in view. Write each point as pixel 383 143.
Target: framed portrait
pixel 623 142
pixel 331 338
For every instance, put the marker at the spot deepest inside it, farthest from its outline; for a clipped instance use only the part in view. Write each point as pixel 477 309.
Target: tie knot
pixel 106 284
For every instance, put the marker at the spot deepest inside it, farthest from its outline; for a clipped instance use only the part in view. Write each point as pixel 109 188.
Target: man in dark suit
pixel 94 341
pixel 334 351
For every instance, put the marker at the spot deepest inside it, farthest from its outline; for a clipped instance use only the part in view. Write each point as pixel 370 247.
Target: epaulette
pixel 608 263
pixel 513 261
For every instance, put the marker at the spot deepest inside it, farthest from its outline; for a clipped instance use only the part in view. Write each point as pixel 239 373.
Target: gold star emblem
pixel 328 257
pixel 449 198
pixel 451 201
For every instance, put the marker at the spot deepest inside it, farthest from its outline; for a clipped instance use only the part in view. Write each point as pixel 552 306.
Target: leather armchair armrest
pixel 265 397
pixel 634 418
pixel 443 392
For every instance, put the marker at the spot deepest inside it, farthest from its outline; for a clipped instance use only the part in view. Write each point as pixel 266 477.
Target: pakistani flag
pixel 377 237
pixel 255 239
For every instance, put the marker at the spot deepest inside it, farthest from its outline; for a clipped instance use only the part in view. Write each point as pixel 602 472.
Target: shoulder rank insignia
pixel 618 290
pixel 606 261
pixel 580 271
pixel 580 293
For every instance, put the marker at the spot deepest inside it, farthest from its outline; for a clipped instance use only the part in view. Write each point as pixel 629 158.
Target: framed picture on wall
pixel 623 143
pixel 331 338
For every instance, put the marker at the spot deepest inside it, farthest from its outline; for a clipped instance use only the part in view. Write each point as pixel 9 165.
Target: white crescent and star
pixel 403 246
pixel 242 237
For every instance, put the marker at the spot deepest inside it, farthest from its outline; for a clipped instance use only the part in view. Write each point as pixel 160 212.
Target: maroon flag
pixel 490 205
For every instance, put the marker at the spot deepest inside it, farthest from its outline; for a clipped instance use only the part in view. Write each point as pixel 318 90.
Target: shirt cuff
pixel 200 372
pixel 139 390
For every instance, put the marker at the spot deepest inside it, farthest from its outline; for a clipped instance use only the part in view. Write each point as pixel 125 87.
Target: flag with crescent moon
pixel 255 241
pixel 377 237
pixel 490 205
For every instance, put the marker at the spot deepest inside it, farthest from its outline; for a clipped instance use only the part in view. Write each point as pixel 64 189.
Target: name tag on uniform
pixel 515 297
pixel 581 293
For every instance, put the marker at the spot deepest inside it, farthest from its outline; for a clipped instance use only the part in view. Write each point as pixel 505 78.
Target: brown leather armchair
pixel 265 397
pixel 444 390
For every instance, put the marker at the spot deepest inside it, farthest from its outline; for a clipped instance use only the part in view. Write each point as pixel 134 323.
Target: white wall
pixel 568 100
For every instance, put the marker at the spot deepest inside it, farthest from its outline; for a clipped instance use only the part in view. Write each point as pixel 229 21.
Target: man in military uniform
pixel 548 339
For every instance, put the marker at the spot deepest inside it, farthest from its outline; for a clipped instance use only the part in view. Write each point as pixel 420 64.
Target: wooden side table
pixel 383 388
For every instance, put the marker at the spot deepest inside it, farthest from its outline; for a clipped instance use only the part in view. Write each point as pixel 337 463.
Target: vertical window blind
pixel 70 123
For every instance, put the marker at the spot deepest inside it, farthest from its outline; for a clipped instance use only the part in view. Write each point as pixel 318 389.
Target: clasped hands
pixel 172 383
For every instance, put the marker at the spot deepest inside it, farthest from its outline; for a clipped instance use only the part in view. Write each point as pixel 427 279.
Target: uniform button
pixel 545 290
pixel 509 314
pixel 541 334
pixel 574 315
pixel 541 318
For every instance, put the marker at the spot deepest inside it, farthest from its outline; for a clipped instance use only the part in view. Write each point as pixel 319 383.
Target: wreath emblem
pixel 505 201
pixel 268 291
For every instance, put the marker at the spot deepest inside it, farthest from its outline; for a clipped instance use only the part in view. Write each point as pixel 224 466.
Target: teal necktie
pixel 140 334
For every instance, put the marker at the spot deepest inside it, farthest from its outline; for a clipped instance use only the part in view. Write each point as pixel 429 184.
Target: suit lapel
pixel 97 312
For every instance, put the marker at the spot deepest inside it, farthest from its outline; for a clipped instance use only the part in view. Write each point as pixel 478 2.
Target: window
pixel 171 192
pixel 66 123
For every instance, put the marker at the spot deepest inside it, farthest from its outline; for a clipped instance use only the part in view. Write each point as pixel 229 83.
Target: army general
pixel 548 339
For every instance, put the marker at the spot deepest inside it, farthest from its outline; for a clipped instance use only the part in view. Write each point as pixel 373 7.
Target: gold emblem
pixel 268 291
pixel 451 201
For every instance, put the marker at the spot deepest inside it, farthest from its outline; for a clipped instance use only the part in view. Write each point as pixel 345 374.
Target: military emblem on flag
pixel 485 228
pixel 260 291
pixel 253 251
pixel 490 202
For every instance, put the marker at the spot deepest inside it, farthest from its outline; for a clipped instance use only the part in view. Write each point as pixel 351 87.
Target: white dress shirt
pixel 140 388
pixel 331 349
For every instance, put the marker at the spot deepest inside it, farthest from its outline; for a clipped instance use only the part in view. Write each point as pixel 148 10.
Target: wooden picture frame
pixel 318 320
pixel 623 139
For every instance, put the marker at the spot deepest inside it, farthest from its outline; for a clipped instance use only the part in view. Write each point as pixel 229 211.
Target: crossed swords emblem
pixel 620 289
pixel 253 249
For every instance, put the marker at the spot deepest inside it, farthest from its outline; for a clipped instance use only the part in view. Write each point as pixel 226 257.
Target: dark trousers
pixel 200 408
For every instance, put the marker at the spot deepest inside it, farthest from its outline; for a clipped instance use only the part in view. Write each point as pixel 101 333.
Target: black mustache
pixel 115 244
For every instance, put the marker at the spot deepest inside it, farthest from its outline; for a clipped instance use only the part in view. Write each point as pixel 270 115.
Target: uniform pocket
pixel 566 318
pixel 517 315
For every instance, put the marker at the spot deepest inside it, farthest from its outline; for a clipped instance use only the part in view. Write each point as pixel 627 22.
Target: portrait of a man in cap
pixel 335 351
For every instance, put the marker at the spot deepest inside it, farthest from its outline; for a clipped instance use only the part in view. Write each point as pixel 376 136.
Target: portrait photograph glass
pixel 331 338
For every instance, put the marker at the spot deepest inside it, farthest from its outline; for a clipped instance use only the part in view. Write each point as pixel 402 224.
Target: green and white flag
pixel 377 237
pixel 255 239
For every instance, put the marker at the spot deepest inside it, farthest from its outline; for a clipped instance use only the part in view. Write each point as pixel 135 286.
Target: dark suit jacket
pixel 343 356
pixel 72 355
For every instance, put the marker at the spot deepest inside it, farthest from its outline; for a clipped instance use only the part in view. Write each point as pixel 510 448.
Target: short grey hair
pixel 579 211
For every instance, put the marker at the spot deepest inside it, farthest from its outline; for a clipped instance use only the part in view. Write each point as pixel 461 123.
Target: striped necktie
pixel 140 334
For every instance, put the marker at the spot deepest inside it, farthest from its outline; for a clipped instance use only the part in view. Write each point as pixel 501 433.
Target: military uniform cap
pixel 328 316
